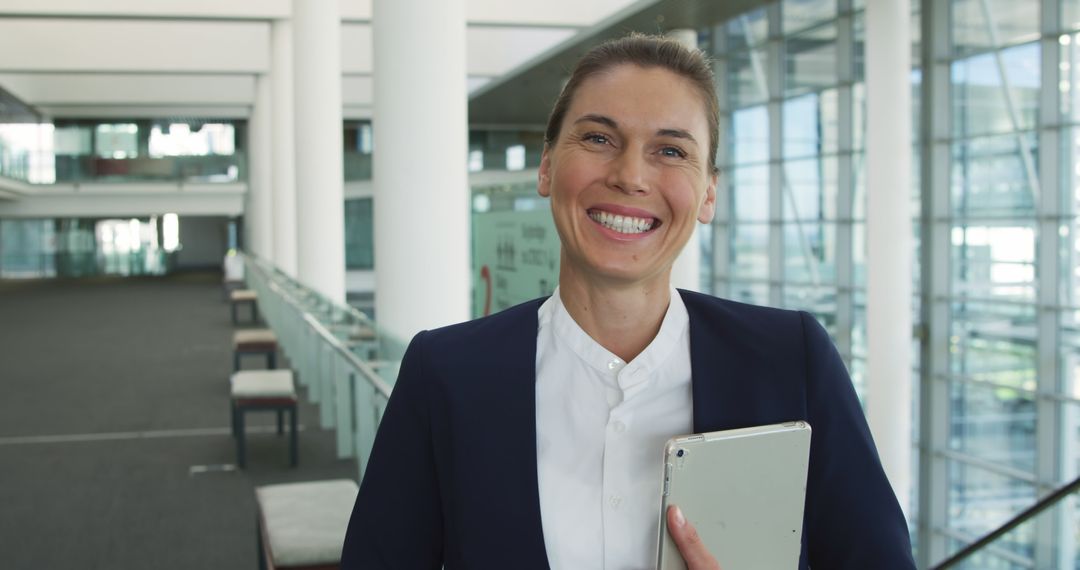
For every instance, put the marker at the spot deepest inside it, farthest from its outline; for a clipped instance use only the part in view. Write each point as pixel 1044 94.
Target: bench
pixel 263 390
pixel 255 341
pixel 239 297
pixel 301 526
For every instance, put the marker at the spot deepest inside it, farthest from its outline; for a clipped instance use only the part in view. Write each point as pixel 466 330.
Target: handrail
pixel 348 355
pixel 1040 506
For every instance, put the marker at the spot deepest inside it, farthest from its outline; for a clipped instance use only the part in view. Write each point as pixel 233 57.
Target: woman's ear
pixel 543 182
pixel 708 205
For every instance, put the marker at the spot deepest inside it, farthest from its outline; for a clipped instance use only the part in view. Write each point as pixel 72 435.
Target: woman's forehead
pixel 634 97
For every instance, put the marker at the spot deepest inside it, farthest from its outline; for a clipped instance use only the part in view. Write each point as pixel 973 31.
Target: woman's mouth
pixel 623 224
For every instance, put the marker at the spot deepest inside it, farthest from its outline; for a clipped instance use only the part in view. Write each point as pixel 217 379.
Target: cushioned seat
pixel 263 390
pixel 241 296
pixel 302 525
pixel 255 341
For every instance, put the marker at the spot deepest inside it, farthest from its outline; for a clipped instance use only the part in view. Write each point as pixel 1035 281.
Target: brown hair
pixel 643 51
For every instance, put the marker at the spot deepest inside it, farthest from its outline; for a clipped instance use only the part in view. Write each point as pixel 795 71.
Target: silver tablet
pixel 743 490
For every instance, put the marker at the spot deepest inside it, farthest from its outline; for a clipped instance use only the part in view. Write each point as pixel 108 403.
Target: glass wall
pixel 995 97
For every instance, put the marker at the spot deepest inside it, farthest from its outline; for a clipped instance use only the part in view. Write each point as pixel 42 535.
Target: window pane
pixel 753 293
pixel 980 501
pixel 997 92
pixel 750 135
pixel 993 176
pixel 800 14
pixel 993 423
pixel 977 23
pixel 994 342
pixel 748 29
pixel 746 79
pixel 750 192
pixel 810 60
pixel 819 301
pixel 811 124
pixel 810 253
pixel 359 234
pixel 810 189
pixel 994 261
pixel 750 251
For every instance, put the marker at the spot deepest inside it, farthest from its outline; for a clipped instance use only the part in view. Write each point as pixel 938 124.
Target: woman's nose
pixel 629 174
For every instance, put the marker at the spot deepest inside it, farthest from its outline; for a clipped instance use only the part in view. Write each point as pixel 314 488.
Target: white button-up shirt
pixel 601 426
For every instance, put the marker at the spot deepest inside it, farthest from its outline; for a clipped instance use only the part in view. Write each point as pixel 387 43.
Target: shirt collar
pixel 673 331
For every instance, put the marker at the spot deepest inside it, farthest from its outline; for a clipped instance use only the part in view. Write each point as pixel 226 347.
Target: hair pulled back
pixel 645 51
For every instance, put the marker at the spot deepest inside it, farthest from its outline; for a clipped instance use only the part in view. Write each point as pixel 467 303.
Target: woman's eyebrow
pixel 677 133
pixel 593 118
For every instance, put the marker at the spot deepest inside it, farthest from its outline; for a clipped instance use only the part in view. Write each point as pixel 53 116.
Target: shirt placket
pixel 617 483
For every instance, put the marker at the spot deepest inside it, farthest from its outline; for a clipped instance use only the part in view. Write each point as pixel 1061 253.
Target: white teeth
pixel 622 224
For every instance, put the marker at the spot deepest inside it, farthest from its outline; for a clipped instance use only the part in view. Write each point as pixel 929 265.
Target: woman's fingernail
pixel 680 520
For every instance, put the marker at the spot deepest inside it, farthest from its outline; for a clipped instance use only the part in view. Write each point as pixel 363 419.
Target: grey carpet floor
pixel 114 422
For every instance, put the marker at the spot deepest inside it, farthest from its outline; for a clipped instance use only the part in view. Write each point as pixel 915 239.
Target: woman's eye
pixel 672 152
pixel 597 138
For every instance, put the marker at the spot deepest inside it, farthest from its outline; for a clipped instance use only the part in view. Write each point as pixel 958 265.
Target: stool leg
pixel 271 359
pixel 232 417
pixel 259 543
pixel 240 459
pixel 254 313
pixel 294 450
pixel 236 361
pixel 233 309
pixel 280 422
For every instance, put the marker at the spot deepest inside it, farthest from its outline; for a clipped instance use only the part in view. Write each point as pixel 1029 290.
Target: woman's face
pixel 629 175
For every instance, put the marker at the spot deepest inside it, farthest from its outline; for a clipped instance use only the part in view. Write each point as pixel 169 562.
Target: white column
pixel 320 184
pixel 686 271
pixel 283 149
pixel 421 185
pixel 888 237
pixel 259 211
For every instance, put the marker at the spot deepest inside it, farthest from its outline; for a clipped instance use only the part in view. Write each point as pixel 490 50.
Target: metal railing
pixel 986 544
pixel 346 363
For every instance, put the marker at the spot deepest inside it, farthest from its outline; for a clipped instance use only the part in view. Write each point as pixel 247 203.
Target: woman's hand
pixel 691 547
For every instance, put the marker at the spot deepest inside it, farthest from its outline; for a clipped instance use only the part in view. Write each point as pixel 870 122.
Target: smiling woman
pixel 533 438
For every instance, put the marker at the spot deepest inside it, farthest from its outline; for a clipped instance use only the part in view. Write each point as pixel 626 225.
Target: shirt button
pixel 615 501
pixel 619 427
pixel 614 364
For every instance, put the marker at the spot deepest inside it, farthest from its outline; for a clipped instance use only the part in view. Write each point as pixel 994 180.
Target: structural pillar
pixel 283 149
pixel 889 237
pixel 420 127
pixel 686 271
pixel 320 170
pixel 259 211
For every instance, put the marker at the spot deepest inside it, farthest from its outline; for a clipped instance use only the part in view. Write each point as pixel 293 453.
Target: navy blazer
pixel 452 481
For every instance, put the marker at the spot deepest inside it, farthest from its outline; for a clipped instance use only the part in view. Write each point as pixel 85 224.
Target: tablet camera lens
pixel 680 453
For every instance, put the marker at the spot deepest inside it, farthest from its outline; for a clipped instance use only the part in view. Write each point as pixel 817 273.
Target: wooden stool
pixel 301 526
pixel 230 285
pixel 241 296
pixel 260 390
pixel 255 341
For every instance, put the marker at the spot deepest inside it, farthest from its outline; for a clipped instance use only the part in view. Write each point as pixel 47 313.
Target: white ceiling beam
pixel 157 46
pixel 127 111
pixel 232 9
pixel 41 89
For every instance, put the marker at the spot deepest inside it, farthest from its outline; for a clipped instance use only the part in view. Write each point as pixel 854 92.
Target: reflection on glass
pixel 810 189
